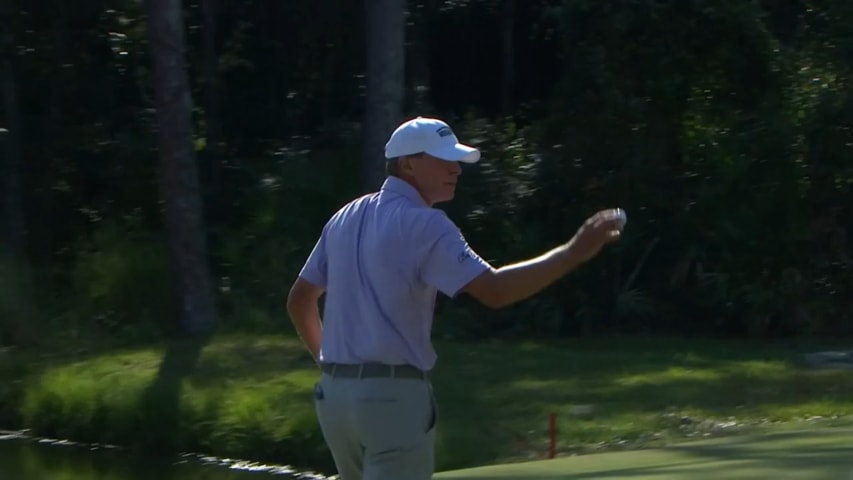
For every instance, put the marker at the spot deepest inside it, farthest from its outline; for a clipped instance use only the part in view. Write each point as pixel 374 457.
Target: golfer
pixel 380 260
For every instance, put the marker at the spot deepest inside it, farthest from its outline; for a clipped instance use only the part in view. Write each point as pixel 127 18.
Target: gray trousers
pixel 378 428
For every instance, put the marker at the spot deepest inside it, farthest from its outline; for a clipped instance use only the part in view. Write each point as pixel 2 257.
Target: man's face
pixel 434 178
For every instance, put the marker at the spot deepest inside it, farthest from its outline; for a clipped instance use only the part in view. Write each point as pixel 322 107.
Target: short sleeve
pixel 315 270
pixel 449 262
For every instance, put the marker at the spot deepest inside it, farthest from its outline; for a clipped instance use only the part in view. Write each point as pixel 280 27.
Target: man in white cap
pixel 380 261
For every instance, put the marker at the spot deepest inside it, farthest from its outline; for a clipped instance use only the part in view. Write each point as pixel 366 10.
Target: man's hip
pixel 373 370
pixel 382 418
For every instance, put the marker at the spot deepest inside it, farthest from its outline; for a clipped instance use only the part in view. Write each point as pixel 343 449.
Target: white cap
pixel 432 136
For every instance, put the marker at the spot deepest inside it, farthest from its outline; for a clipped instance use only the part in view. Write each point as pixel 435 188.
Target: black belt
pixel 373 370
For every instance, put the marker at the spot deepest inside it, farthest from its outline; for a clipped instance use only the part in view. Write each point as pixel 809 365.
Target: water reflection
pixel 27 459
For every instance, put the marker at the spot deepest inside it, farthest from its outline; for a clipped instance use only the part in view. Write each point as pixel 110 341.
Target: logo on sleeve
pixel 463 255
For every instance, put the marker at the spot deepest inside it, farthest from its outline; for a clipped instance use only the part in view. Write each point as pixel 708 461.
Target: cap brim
pixel 457 153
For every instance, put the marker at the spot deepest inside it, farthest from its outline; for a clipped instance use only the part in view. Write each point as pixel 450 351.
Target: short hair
pixel 392 165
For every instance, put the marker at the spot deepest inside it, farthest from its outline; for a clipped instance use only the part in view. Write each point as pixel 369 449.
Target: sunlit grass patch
pixel 250 396
pixel 237 396
pixel 621 393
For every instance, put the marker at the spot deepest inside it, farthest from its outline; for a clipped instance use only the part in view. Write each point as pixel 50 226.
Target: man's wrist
pixel 570 256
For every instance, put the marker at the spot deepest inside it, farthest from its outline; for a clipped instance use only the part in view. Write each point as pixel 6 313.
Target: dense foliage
pixel 723 127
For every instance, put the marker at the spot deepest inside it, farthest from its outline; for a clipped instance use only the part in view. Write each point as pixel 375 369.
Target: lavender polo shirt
pixel 381 259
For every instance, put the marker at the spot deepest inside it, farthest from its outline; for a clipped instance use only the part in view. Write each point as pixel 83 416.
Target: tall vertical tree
pixel 417 55
pixel 386 61
pixel 10 166
pixel 212 119
pixel 17 308
pixel 179 173
pixel 508 54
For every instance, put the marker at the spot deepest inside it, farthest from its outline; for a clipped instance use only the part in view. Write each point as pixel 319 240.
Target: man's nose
pixel 455 168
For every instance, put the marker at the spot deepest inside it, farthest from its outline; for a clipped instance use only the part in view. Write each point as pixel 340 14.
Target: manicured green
pixel 823 454
pixel 249 396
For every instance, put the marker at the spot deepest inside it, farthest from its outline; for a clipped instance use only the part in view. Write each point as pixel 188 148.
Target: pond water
pixel 24 458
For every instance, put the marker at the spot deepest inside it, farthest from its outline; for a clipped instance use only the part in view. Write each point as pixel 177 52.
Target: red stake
pixel 552 434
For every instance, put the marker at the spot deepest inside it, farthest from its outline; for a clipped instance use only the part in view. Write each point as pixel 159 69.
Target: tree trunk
pixel 508 47
pixel 179 174
pixel 18 314
pixel 417 56
pixel 385 82
pixel 13 212
pixel 213 122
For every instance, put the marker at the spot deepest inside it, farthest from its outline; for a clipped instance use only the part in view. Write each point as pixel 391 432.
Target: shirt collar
pixel 401 187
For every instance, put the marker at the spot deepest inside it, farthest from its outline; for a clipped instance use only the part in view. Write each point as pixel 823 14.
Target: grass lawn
pixel 249 396
pixel 495 399
pixel 823 454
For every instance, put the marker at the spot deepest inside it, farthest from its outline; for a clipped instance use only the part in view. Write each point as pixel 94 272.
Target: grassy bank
pixel 250 396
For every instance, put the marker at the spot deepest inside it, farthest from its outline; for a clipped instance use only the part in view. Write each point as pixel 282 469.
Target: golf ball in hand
pixel 623 218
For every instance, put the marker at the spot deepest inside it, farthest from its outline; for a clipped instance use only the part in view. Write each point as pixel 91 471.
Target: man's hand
pixel 304 311
pixel 597 231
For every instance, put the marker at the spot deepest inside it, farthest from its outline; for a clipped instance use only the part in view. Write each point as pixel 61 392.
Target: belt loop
pixel 393 371
pixel 360 370
pixel 334 367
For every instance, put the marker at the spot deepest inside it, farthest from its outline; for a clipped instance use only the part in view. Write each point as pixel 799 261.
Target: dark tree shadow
pixel 160 429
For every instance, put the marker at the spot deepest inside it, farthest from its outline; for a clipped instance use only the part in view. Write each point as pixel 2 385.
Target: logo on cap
pixel 444 131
